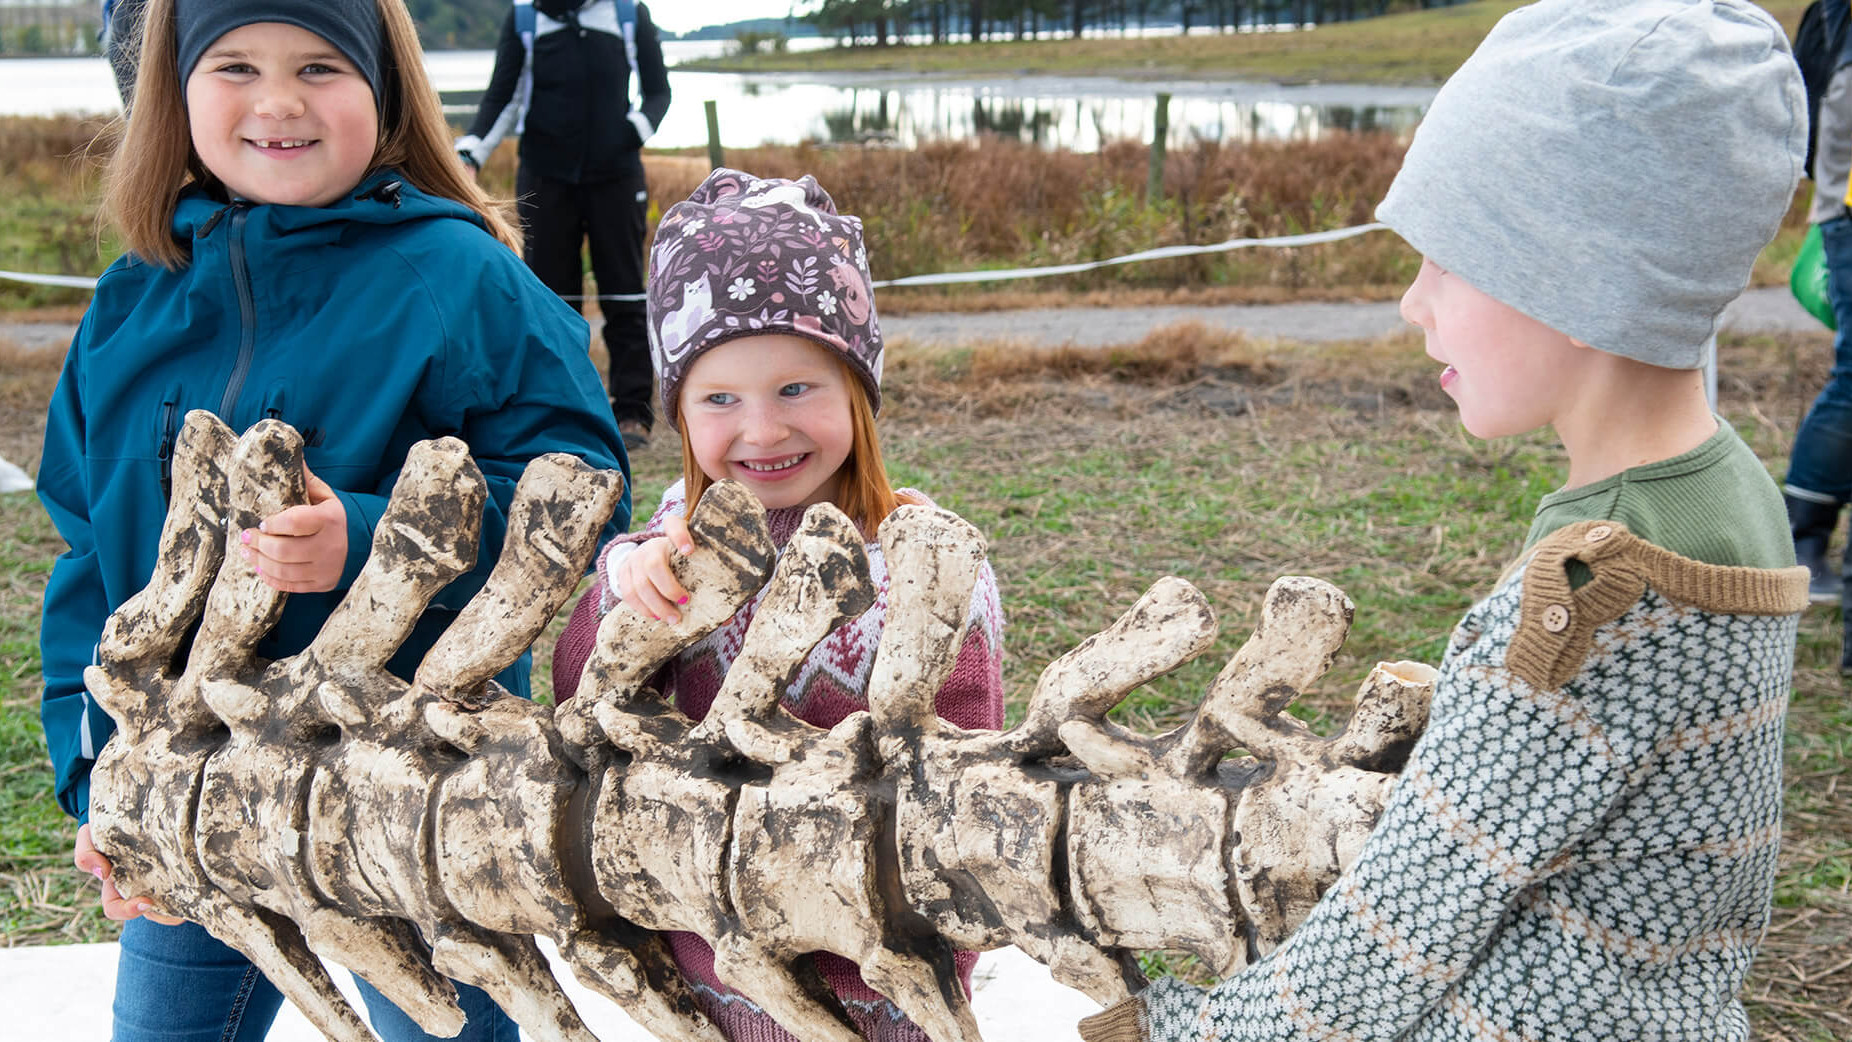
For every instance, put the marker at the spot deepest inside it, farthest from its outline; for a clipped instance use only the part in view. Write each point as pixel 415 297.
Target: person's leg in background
pixel 617 218
pixel 552 234
pixel 1819 481
pixel 181 984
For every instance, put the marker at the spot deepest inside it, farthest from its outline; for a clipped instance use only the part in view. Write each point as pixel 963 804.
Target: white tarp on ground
pixel 12 479
pixel 61 993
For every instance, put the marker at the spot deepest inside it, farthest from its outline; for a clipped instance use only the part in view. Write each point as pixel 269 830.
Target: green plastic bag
pixel 1808 279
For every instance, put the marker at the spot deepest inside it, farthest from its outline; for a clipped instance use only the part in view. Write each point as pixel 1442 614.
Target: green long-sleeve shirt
pixel 1714 504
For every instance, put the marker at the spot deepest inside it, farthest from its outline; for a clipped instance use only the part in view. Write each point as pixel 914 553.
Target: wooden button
pixel 1598 533
pixel 1556 618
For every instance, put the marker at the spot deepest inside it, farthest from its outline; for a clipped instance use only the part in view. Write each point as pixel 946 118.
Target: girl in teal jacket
pixel 303 245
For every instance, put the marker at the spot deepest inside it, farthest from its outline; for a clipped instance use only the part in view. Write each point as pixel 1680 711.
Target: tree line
pixel 885 22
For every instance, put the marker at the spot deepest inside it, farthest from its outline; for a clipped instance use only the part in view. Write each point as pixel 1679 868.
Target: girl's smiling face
pixel 281 116
pixel 771 412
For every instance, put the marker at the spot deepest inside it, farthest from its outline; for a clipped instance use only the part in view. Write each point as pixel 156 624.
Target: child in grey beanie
pixel 1582 845
pixel 1610 169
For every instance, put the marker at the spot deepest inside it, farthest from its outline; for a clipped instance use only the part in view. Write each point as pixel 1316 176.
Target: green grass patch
pixel 1410 48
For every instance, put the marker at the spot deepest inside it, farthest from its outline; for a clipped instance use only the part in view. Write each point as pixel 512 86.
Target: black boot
pixel 1845 618
pixel 1845 640
pixel 1812 522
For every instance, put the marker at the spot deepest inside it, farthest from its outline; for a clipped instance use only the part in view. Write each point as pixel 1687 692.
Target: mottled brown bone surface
pixel 319 806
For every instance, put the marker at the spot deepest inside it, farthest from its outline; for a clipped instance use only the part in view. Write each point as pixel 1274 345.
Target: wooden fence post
pixel 1154 188
pixel 715 157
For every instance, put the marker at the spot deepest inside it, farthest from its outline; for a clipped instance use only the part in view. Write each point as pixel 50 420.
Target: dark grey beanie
pixel 1611 168
pixel 352 26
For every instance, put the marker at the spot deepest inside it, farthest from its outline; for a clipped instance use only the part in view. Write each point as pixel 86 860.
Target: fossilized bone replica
pixel 318 806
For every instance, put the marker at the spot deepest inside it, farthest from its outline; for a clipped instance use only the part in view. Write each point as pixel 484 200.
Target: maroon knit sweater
pixel 832 684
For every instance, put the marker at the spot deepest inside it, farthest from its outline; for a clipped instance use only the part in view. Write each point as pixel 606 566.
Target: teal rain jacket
pixel 388 317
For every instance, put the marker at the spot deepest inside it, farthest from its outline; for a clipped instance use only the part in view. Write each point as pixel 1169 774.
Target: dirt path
pixel 1758 310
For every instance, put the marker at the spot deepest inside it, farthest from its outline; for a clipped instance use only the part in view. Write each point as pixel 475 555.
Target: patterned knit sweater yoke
pixel 831 684
pixel 1583 844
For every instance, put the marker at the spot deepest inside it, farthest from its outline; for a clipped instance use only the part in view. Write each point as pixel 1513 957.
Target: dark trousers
pixel 558 217
pixel 1821 464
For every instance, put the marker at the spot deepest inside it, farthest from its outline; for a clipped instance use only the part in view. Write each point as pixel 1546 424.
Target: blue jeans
pixel 1821 463
pixel 181 984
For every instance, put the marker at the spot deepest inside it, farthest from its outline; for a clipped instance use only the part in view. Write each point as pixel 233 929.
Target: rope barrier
pixel 1160 253
pixel 66 281
pixel 939 279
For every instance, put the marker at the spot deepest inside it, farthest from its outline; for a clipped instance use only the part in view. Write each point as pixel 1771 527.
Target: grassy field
pixel 1224 461
pixel 1416 47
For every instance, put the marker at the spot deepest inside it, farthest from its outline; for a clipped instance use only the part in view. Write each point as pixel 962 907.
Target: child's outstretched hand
pixel 645 579
pixel 115 906
pixel 302 549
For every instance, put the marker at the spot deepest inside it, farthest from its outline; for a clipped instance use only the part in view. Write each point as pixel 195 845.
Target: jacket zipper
pixel 166 454
pixel 247 315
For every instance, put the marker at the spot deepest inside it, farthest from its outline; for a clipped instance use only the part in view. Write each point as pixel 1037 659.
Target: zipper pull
pixel 213 221
pixel 384 193
pixel 165 454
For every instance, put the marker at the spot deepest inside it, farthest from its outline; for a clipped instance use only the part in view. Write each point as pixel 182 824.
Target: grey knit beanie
pixel 352 26
pixel 1610 168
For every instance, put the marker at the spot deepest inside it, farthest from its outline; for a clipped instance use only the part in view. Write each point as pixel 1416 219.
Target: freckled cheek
pixel 710 444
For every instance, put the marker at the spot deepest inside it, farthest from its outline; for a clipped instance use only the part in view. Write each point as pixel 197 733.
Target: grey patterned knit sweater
pixel 1583 843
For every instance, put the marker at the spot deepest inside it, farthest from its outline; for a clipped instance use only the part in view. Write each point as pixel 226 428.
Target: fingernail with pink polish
pixel 97 871
pixel 245 537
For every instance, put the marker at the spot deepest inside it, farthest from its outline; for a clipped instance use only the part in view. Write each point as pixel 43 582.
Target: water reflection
pixel 1025 120
pixel 1076 113
pixel 907 116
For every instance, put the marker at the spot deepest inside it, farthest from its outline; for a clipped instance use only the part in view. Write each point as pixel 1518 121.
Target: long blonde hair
pixel 865 494
pixel 154 158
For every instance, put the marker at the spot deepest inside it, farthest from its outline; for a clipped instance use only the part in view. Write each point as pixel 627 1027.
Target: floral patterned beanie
pixel 747 255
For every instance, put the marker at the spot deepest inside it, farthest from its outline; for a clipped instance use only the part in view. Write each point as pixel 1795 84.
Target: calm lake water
pixel 760 108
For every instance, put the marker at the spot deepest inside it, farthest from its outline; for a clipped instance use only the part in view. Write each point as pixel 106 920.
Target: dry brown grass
pixel 26 381
pixel 947 206
pixel 31 140
pixel 961 206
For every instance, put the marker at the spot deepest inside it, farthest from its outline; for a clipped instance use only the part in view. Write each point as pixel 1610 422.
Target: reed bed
pixel 950 206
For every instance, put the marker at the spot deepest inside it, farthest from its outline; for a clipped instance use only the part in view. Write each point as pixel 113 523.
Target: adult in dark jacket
pixel 580 177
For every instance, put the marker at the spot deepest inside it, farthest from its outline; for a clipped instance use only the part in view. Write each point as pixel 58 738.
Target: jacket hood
pixel 375 200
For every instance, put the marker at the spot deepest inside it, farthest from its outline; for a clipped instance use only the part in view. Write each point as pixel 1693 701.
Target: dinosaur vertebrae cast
pixel 318 806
